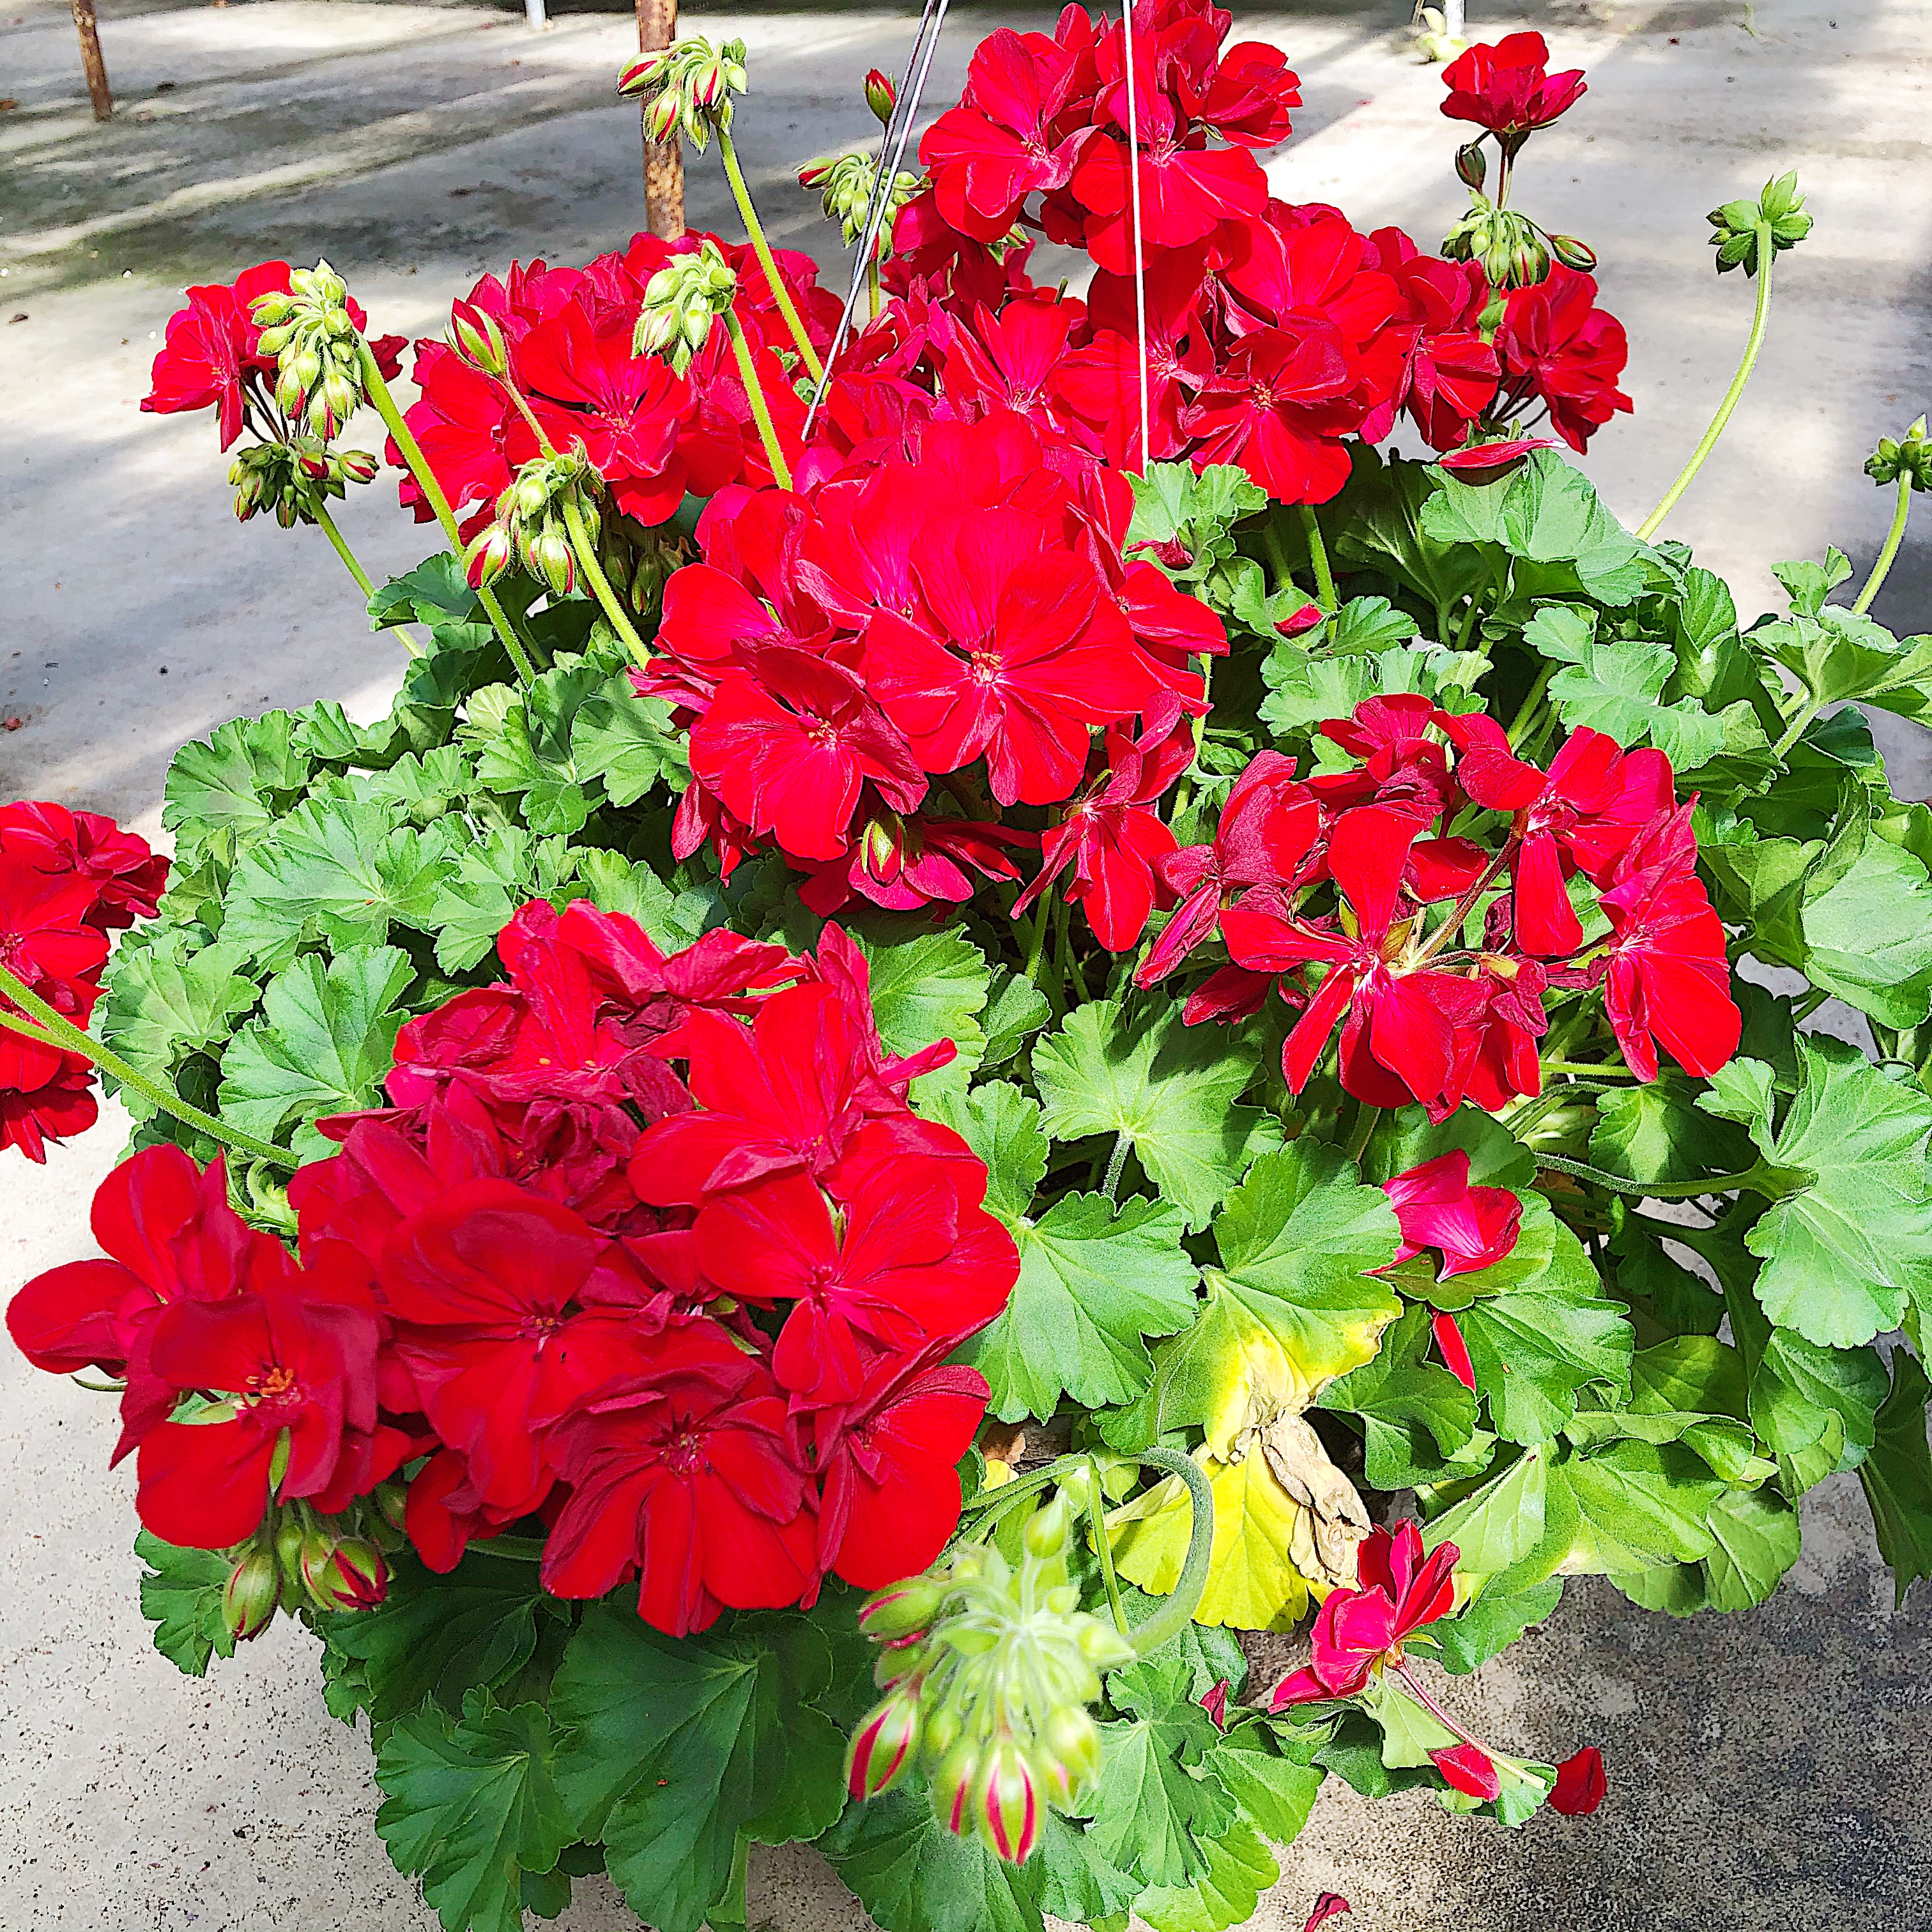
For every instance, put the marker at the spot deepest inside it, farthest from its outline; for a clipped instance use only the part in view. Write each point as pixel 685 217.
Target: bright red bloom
pixel 905 863
pixel 1467 1768
pixel 210 346
pixel 1498 1056
pixel 507 1309
pixel 1453 1350
pixel 1507 88
pixel 1280 405
pixel 285 1368
pixel 1447 374
pixel 1008 360
pixel 687 1477
pixel 1330 1905
pixel 1472 1227
pixel 1398 1036
pixel 1668 983
pixel 127 874
pixel 889 1462
pixel 1558 348
pixel 1580 1783
pixel 1402 768
pixel 1266 836
pixel 1357 1631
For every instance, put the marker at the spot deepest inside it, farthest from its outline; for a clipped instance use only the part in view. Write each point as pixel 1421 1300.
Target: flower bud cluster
pixel 687 88
pixel 530 527
pixel 844 183
pixel 291 479
pixel 682 301
pixel 1910 456
pixel 298 1560
pixel 1513 251
pixel 317 348
pixel 989 1670
pixel 1735 225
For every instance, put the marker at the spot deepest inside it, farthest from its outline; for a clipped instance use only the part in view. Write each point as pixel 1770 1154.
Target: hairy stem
pixel 1175 1615
pixel 1893 538
pixel 1652 1190
pixel 326 523
pixel 55 1031
pixel 585 545
pixel 1526 716
pixel 1116 1161
pixel 1766 254
pixel 433 494
pixel 1796 730
pixel 755 230
pixel 760 414
pixel 1097 1514
pixel 1318 555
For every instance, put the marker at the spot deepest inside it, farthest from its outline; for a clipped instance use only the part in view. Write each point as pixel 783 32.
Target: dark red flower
pixel 687 1477
pixel 210 345
pixel 905 863
pixel 1580 1783
pixel 1668 982
pixel 127 874
pixel 1506 87
pixel 1558 348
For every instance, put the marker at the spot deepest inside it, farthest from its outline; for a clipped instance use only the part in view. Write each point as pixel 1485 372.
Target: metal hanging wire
pixel 1140 248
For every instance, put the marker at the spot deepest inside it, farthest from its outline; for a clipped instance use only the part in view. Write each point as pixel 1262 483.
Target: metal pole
pixel 98 92
pixel 533 12
pixel 664 160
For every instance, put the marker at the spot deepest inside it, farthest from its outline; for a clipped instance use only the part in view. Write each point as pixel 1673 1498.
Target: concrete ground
pixel 1767 1770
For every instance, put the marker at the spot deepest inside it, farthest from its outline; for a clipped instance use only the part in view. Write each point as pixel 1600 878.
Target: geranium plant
pixel 1001 1002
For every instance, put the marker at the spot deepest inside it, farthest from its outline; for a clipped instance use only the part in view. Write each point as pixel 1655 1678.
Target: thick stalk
pixel 585 547
pixel 1652 1190
pixel 1527 715
pixel 1588 1068
pixel 326 523
pixel 874 295
pixel 1110 1186
pixel 1178 1612
pixel 433 494
pixel 1318 555
pixel 1795 730
pixel 1766 253
pixel 1893 538
pixel 760 415
pixel 755 230
pixel 57 1031
pixel 1363 1126
pixel 1103 1545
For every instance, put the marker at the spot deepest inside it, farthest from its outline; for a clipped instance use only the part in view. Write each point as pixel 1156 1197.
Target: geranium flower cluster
pixel 67 880
pixel 1324 888
pixel 569 375
pixel 651 1249
pixel 961 600
pixel 1274 332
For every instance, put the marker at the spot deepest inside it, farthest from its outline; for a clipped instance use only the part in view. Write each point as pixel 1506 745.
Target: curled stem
pixel 1893 538
pixel 433 494
pixel 1178 1612
pixel 1652 1190
pixel 761 414
pixel 1766 254
pixel 340 544
pixel 56 1030
pixel 585 545
pixel 755 228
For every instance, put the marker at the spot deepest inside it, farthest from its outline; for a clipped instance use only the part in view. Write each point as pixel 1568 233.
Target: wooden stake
pixel 98 92
pixel 664 160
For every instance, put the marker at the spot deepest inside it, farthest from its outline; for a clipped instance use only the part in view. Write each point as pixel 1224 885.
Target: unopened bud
pixel 1072 1740
pixel 267 310
pixel 953 1785
pixel 1102 1645
pixel 641 75
pixel 362 1575
pixel 1006 1807
pixel 1910 456
pixel 248 1598
pixel 358 466
pixel 1573 254
pixel 1735 227
pixel 476 336
pixel 882 96
pixel 552 560
pixel 884 1747
pixel 902 1610
pixel 489 554
pixel 1472 165
pixel 1045 1534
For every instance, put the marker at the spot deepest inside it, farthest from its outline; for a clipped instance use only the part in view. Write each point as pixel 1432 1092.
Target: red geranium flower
pixel 1278 405
pixel 687 1476
pixel 1472 1227
pixel 1507 87
pixel 1467 1768
pixel 211 345
pixel 1559 347
pixel 1668 983
pixel 127 874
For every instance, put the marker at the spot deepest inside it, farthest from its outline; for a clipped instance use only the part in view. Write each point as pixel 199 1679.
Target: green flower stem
pixel 1175 1615
pixel 1589 1071
pixel 340 545
pixel 1414 1689
pixel 1103 1545
pixel 1767 251
pixel 1318 555
pixel 1036 944
pixel 1655 1190
pixel 1796 729
pixel 55 1031
pixel 1893 538
pixel 1110 1186
pixel 761 415
pixel 874 295
pixel 432 493
pixel 1527 716
pixel 755 230
pixel 1363 1127
pixel 585 547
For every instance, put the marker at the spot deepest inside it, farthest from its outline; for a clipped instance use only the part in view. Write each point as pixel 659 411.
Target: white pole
pixel 533 12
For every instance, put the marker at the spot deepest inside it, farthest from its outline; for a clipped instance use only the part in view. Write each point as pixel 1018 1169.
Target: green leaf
pixel 338 873
pixel 1406 1138
pixel 492 879
pixel 1154 1804
pixel 524 739
pixel 323 1045
pixel 435 592
pixel 1657 1132
pixel 442 1637
pixel 1847 1240
pixel 1381 521
pixel 931 988
pixel 471 1806
pixel 1239 1869
pixel 1896 1476
pixel 1305 691
pixel 1401 1392
pixel 181 1596
pixel 1094 1286
pixel 673 1746
pixel 1840 655
pixel 912 1875
pixel 1294 1305
pixel 1607 684
pixel 629 742
pixel 165 1002
pixel 671 920
pixel 1497 1525
pixel 225 791
pixel 1081 1885
pixel 1366 625
pixel 1869 932
pixel 1170 1089
pixel 1490 1625
pixel 1275 1789
pixel 1015 1010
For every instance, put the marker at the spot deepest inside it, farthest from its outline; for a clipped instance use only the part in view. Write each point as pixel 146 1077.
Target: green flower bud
pixel 1046 1529
pixel 1573 254
pixel 1910 456
pixel 953 1785
pixel 1006 1805
pixel 358 466
pixel 882 96
pixel 552 560
pixel 248 1598
pixel 682 301
pixel 884 1746
pixel 1472 165
pixel 1735 227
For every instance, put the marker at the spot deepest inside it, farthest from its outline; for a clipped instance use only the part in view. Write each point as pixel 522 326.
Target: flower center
pixel 685 1451
pixel 278 1382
